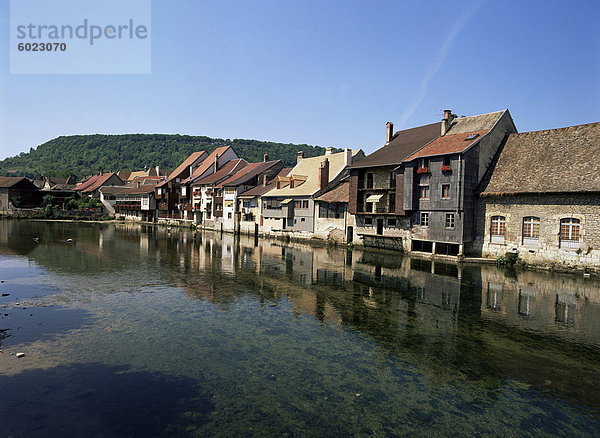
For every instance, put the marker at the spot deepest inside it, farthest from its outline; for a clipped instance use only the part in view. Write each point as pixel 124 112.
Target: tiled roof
pixel 340 193
pixel 550 161
pixel 224 171
pixel 100 182
pixel 309 168
pixel 185 164
pixel 209 161
pixel 448 144
pixel 481 122
pixel 9 181
pixel 120 190
pixel 462 133
pixel 260 189
pixel 88 182
pixel 402 145
pixel 247 173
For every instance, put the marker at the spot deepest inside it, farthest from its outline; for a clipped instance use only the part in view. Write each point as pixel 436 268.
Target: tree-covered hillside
pixel 81 155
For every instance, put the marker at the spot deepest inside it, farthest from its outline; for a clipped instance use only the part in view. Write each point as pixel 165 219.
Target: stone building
pixel 16 192
pixel 542 199
pixel 332 220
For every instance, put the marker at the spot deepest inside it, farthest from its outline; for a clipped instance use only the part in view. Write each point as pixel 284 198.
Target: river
pixel 135 330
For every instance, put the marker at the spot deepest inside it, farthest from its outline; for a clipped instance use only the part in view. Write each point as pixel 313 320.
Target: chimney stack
pixel 447 121
pixel 347 157
pixel 300 156
pixel 329 151
pixel 389 132
pixel 324 174
pixel 265 180
pixel 216 165
pixel 157 170
pixel 266 158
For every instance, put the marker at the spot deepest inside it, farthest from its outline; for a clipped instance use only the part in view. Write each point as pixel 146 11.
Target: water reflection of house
pixel 566 307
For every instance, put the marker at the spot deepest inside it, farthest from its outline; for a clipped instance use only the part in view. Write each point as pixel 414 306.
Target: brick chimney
pixel 447 121
pixel 389 132
pixel 216 165
pixel 264 180
pixel 324 174
pixel 347 157
pixel 265 158
pixel 300 156
pixel 329 151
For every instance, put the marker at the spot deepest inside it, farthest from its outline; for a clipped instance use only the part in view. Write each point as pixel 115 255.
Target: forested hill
pixel 81 155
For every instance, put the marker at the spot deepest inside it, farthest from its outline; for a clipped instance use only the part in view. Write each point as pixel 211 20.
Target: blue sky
pixel 329 73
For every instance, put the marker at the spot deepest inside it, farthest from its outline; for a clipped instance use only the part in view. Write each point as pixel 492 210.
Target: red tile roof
pixel 99 182
pixel 88 182
pixel 224 172
pixel 449 144
pixel 209 161
pixel 261 189
pixel 247 173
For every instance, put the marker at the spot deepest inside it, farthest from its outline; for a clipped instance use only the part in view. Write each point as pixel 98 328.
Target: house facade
pixel 441 178
pixel 376 191
pixel 333 222
pixel 417 193
pixel 290 206
pixel 541 199
pixel 168 193
pixel 245 179
pixel 131 203
pixel 17 192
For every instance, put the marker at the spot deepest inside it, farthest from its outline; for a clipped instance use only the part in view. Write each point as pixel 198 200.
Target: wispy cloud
pixel 439 59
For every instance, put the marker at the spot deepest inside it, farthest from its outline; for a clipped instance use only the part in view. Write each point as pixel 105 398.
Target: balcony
pixel 128 206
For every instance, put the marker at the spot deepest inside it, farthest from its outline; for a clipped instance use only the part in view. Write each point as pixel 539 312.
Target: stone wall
pixel 550 209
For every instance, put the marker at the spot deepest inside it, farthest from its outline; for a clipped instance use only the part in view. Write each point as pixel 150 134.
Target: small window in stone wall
pixel 424 219
pixel 569 233
pixel 391 222
pixel 368 221
pixel 498 229
pixel 531 230
pixel 450 220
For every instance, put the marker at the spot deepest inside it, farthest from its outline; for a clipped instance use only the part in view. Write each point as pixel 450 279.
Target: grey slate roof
pixel 556 160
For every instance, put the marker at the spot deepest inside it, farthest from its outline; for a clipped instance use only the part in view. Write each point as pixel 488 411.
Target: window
pixel 361 180
pixel 424 163
pixel 368 221
pixel 391 222
pixel 369 180
pixel 531 230
pixel 449 220
pixel 445 191
pixel 423 192
pixel 297 204
pixel 424 219
pixel 392 203
pixel 392 179
pixel 569 233
pixel 304 204
pixel 498 229
pixel 229 215
pixel 446 161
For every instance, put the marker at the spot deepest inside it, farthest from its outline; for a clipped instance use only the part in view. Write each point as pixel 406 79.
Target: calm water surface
pixel 133 330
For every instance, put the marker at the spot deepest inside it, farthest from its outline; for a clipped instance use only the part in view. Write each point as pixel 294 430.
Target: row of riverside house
pixel 462 186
